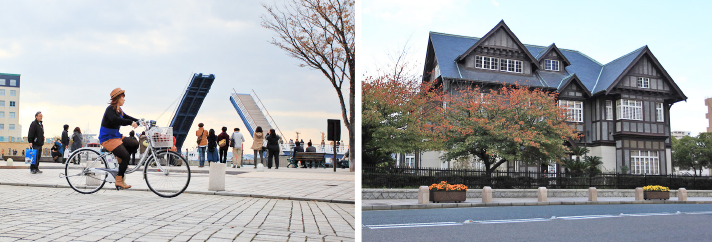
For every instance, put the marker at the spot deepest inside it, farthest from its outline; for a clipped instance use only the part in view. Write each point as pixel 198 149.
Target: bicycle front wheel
pixel 80 173
pixel 168 175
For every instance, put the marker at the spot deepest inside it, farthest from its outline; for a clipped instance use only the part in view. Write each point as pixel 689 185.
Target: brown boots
pixel 120 180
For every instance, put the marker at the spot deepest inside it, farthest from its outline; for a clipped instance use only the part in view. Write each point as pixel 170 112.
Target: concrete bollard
pixel 541 193
pixel 486 194
pixel 216 182
pixel 423 195
pixel 9 162
pixel 682 194
pixel 639 194
pixel 592 194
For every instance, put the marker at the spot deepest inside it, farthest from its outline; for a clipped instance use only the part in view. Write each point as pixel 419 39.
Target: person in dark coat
pixel 132 135
pixel 112 140
pixel 311 148
pixel 225 138
pixel 272 149
pixel 65 140
pixel 36 139
pixel 212 147
pixel 298 148
pixel 76 142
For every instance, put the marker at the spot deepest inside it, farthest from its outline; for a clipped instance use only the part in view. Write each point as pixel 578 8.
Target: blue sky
pixel 71 54
pixel 676 32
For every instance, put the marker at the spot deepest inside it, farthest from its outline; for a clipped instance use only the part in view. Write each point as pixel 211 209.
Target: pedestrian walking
pixel 258 144
pixel 112 140
pixel 76 142
pixel 212 147
pixel 35 136
pixel 223 144
pixel 236 143
pixel 65 141
pixel 202 144
pixel 272 149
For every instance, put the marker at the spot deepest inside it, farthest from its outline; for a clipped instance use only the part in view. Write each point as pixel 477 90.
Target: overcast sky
pixel 677 33
pixel 71 54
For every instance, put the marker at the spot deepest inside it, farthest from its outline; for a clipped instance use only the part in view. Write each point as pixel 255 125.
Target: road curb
pixel 198 192
pixel 505 204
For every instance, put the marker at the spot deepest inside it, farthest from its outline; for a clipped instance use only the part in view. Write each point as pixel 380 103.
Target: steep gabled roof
pixel 572 79
pixel 503 26
pixel 615 70
pixel 551 48
pixel 638 54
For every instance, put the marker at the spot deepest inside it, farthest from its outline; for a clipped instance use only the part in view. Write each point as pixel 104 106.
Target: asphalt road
pixel 630 222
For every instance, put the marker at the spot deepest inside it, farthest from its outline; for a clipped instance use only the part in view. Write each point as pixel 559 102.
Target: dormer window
pixel 643 82
pixel 488 63
pixel 551 65
pixel 491 63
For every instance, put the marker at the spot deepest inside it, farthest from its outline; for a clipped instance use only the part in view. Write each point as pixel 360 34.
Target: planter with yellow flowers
pixel 656 192
pixel 443 192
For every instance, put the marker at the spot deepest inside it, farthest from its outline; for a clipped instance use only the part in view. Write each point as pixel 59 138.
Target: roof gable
pixel 641 53
pixel 500 29
pixel 572 80
pixel 551 48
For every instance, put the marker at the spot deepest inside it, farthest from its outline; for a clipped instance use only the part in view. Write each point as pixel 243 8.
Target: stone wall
pixel 372 194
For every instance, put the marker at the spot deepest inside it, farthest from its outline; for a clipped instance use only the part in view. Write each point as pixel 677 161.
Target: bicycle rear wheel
pixel 168 175
pixel 79 173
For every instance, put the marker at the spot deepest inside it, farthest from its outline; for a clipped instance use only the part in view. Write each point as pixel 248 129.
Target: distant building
pixel 708 102
pixel 10 128
pixel 680 134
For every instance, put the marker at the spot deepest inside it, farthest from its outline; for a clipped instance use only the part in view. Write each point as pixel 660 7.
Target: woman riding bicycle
pixel 112 140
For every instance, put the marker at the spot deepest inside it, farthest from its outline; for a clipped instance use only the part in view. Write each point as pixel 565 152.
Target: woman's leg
pixel 201 155
pixel 276 159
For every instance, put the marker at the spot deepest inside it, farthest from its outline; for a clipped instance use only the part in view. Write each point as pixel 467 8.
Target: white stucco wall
pixel 608 156
pixel 431 159
pixel 668 160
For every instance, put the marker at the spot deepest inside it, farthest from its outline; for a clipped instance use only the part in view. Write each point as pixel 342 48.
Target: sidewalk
pixel 394 204
pixel 322 185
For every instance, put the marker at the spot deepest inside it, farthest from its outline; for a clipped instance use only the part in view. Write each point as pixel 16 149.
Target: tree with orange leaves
pixel 512 123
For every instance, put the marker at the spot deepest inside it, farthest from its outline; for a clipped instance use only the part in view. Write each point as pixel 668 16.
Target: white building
pixel 10 128
pixel 679 134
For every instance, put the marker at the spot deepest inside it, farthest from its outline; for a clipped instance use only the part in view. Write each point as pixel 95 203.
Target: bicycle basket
pixel 161 137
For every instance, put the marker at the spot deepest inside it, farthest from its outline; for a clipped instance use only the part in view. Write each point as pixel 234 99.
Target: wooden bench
pixel 315 157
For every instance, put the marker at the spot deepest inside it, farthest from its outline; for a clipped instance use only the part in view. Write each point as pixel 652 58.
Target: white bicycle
pixel 166 172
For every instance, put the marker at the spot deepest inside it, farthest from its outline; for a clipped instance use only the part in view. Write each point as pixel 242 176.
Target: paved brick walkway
pixel 323 185
pixel 51 214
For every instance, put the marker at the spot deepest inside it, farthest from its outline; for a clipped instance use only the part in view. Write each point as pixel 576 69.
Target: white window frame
pixel 551 65
pixel 13 93
pixel 2 114
pixel 643 82
pixel 2 126
pixel 3 82
pixel 487 63
pixel 660 112
pixel 2 103
pixel 13 82
pixel 644 162
pixel 609 110
pixel 12 127
pixel 629 109
pixel 12 114
pixel 574 110
pixel 2 92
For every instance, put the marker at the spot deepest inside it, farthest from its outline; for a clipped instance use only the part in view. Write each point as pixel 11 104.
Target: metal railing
pixel 404 177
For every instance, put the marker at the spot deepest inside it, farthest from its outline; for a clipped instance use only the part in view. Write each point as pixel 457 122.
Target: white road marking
pixel 504 221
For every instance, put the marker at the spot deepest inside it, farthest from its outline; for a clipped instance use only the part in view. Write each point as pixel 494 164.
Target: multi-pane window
pixel 2 92
pixel 491 63
pixel 12 127
pixel 12 114
pixel 629 109
pixel 13 93
pixel 2 103
pixel 660 112
pixel 2 82
pixel 644 162
pixel 12 103
pixel 643 82
pixel 574 110
pixel 13 83
pixel 2 114
pixel 609 110
pixel 551 65
pixel 2 126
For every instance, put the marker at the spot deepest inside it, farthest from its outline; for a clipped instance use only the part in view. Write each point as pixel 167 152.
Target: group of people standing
pixel 216 146
pixel 36 139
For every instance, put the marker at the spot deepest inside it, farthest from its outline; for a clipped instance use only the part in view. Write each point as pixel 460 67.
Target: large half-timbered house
pixel 621 107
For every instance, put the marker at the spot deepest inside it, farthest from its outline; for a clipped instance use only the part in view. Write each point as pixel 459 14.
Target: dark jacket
pixel 212 142
pixel 297 149
pixel 226 137
pixel 76 141
pixel 65 138
pixel 311 149
pixel 111 123
pixel 273 142
pixel 36 134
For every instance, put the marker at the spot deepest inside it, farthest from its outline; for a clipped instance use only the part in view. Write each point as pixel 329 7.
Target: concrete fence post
pixel 682 194
pixel 486 194
pixel 592 194
pixel 541 194
pixel 216 179
pixel 639 194
pixel 9 162
pixel 423 195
